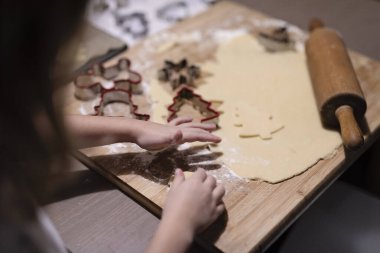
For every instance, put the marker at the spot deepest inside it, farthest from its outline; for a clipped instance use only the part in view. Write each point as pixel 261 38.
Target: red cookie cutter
pixel 87 86
pixel 109 96
pixel 203 106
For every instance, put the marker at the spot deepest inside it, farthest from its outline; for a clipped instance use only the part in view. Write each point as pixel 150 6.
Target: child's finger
pixel 193 134
pixel 204 126
pixel 200 174
pixel 219 209
pixel 179 177
pixel 218 193
pixel 180 120
pixel 211 182
pixel 177 137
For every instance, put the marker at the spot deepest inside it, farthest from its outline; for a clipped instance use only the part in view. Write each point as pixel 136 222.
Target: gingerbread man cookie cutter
pixel 114 95
pixel 209 115
pixel 178 74
pixel 88 86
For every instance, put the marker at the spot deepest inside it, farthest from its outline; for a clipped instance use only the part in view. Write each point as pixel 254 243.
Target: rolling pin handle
pixel 351 134
pixel 315 23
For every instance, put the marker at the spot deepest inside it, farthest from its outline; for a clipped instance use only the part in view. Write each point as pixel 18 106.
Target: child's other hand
pixel 193 203
pixel 152 136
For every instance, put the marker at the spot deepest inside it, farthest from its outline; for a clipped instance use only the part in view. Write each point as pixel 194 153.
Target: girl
pixel 33 141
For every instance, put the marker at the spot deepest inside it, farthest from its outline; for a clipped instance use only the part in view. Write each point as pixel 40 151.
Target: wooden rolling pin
pixel 338 94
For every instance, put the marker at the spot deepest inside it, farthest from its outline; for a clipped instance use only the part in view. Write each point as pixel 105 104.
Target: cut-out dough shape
pixel 253 122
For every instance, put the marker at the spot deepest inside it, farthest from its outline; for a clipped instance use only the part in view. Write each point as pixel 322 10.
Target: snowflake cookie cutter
pixel 203 106
pixel 109 96
pixel 180 73
pixel 89 85
pixel 276 40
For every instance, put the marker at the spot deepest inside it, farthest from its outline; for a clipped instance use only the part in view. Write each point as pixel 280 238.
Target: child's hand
pixel 152 136
pixel 194 203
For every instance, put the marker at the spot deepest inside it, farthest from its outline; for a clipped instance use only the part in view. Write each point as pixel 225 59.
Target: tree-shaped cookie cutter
pixel 178 74
pixel 88 86
pixel 109 96
pixel 203 106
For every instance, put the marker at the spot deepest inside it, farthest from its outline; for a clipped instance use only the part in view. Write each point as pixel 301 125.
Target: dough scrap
pixel 280 82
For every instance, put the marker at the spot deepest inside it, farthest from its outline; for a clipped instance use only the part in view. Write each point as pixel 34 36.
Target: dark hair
pixel 32 33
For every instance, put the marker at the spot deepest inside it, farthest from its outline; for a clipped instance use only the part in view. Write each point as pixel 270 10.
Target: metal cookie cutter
pixel 203 106
pixel 136 24
pixel 88 86
pixel 276 40
pixel 121 73
pixel 173 12
pixel 122 96
pixel 179 73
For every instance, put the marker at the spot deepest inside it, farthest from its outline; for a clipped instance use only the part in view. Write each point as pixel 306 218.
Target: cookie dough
pixel 244 73
pixel 160 100
pixel 254 122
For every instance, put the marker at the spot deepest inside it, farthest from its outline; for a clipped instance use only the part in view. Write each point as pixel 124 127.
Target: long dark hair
pixel 31 129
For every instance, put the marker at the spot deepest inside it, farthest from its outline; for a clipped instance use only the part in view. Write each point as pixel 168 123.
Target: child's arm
pixel 95 131
pixel 192 204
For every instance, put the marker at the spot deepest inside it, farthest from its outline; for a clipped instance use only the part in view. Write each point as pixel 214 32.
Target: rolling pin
pixel 337 91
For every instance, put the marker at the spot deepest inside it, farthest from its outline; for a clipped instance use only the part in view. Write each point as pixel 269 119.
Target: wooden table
pixel 260 210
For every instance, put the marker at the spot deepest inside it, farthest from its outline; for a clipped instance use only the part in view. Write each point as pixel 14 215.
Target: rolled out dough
pixel 277 82
pixel 160 100
pixel 255 122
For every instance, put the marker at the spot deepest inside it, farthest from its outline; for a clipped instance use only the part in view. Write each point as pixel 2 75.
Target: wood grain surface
pixel 255 210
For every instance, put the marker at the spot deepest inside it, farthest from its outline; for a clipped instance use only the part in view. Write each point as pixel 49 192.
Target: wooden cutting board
pixel 256 211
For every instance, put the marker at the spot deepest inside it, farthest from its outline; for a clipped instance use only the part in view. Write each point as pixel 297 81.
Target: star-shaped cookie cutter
pixel 203 106
pixel 109 96
pixel 178 74
pixel 88 86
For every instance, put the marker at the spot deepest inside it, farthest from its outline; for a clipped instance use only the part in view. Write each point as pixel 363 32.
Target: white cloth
pixel 131 20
